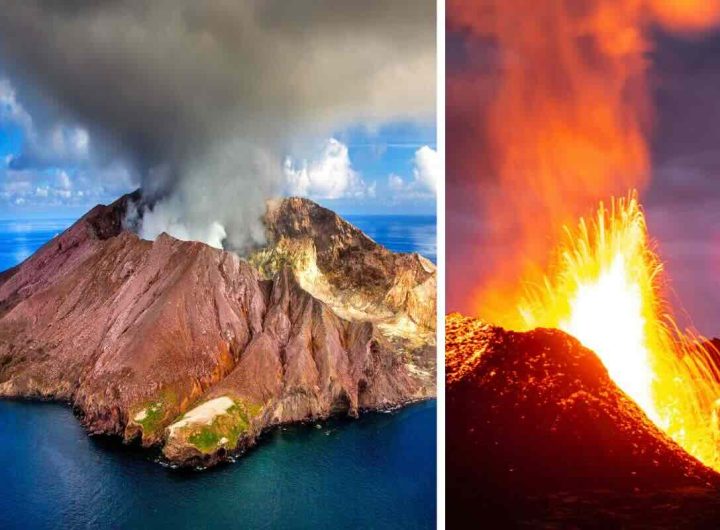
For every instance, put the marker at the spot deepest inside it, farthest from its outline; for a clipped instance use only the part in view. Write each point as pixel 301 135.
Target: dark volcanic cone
pixel 539 435
pixel 197 350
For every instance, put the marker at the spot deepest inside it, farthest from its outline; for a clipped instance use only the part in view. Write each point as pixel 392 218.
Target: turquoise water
pixel 375 472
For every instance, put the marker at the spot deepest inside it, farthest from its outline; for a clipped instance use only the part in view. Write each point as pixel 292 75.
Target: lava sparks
pixel 606 288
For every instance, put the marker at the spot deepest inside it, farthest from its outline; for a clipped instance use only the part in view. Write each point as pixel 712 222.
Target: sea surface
pixel 400 233
pixel 375 472
pixel 19 239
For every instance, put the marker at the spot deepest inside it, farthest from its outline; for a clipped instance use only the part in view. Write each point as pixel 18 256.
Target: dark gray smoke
pixel 202 98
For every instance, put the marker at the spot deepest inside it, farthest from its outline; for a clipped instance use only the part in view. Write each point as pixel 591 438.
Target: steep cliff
pixel 347 270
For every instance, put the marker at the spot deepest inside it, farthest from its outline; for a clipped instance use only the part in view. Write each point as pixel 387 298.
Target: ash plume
pixel 203 99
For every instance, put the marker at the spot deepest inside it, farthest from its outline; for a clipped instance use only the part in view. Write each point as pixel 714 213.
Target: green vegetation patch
pixel 206 439
pixel 155 413
pixel 227 429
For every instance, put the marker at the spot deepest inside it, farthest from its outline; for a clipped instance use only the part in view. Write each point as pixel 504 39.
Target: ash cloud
pixel 202 100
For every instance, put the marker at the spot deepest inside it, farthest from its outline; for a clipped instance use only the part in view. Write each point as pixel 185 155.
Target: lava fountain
pixel 605 287
pixel 564 113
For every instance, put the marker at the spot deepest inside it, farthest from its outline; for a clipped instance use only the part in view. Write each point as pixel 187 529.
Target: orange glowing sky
pixel 559 113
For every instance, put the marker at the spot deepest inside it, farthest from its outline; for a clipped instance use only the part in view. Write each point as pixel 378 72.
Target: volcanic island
pixel 196 351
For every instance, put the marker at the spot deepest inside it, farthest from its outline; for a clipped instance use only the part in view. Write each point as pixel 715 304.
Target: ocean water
pixel 19 239
pixel 400 233
pixel 375 472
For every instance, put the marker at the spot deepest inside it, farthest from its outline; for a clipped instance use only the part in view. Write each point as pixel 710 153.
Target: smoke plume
pixel 202 99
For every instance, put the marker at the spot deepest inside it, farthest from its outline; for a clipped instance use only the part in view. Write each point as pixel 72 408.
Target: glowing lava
pixel 605 289
pixel 616 301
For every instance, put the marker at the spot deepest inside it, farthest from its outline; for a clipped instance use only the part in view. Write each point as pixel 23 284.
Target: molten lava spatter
pixel 605 288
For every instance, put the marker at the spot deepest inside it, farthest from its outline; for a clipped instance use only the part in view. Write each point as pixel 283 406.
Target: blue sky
pixel 378 155
pixel 389 169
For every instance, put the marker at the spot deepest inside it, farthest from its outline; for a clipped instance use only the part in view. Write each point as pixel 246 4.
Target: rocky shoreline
pixel 233 455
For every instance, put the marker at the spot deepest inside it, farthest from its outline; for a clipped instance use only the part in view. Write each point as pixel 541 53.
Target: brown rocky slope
pixel 539 436
pixel 193 349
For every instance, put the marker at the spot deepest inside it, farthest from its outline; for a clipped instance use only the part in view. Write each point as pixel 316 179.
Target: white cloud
pixel 371 189
pixel 426 173
pixel 80 140
pixel 427 168
pixel 34 176
pixel 63 180
pixel 64 143
pixel 44 146
pixel 396 182
pixel 31 187
pixel 330 177
pixel 10 108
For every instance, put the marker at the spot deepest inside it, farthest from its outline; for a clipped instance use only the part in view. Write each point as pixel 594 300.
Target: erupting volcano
pixel 615 401
pixel 575 397
pixel 611 413
pixel 606 289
